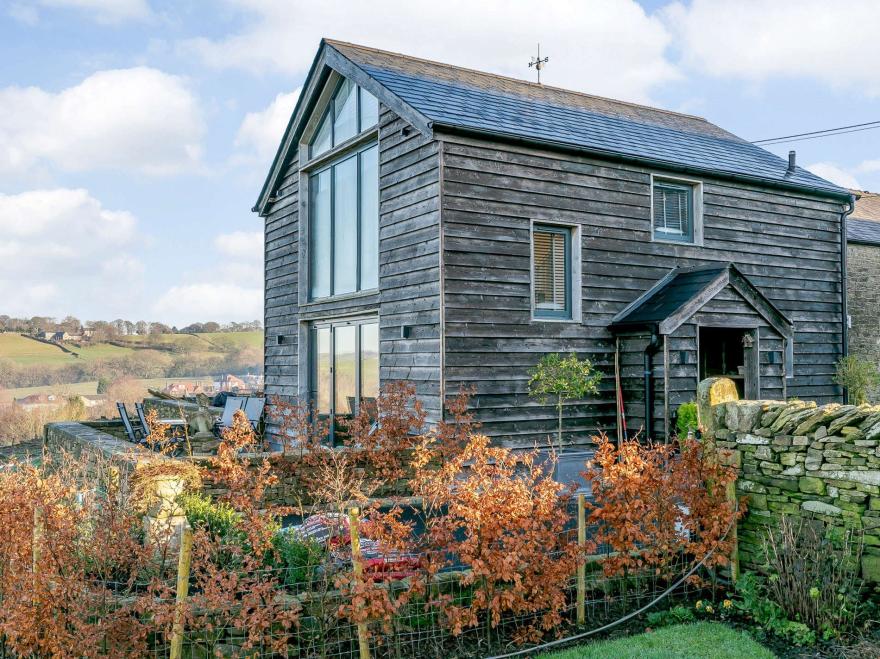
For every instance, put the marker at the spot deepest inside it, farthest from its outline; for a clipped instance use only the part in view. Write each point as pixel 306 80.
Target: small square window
pixel 673 211
pixel 551 276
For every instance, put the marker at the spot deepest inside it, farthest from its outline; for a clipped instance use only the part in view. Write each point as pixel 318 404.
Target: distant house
pixel 231 382
pixel 863 276
pixel 448 227
pixel 39 401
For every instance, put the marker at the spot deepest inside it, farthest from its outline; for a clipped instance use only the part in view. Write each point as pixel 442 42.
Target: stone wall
pixel 146 479
pixel 798 459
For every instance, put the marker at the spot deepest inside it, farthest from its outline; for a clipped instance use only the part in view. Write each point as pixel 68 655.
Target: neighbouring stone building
pixel 863 276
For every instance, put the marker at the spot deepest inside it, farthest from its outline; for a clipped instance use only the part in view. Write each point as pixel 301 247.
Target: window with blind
pixel 551 276
pixel 673 211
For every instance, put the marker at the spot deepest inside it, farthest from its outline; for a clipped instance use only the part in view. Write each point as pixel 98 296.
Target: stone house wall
pixel 863 303
pixel 797 459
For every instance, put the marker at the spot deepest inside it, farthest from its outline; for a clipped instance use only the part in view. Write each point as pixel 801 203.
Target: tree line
pixel 103 330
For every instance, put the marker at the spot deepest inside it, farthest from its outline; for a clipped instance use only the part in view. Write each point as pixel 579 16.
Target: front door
pixel 731 353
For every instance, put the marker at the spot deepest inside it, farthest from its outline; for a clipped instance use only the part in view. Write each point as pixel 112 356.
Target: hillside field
pixel 88 388
pixel 26 352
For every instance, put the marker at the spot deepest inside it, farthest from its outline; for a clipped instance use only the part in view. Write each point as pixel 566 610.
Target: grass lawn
pixel 696 641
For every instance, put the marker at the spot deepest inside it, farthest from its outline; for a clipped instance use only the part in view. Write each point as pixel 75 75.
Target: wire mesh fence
pixel 346 597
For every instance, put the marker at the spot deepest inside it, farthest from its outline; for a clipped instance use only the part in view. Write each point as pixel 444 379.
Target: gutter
pixel 843 195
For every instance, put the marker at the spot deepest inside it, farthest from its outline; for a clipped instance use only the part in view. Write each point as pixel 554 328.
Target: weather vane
pixel 538 63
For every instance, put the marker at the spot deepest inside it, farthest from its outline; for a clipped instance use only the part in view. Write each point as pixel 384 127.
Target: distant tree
pixel 211 326
pixel 119 326
pixel 41 324
pixel 71 325
pixel 142 327
pixel 160 328
pixel 129 327
pixel 103 385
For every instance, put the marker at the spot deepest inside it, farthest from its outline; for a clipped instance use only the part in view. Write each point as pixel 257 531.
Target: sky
pixel 135 134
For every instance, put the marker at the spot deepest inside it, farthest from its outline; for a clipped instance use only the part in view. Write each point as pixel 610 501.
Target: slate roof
pixel 863 226
pixel 679 288
pixel 458 98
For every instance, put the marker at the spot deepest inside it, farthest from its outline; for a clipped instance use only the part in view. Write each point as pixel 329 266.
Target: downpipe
pixel 650 350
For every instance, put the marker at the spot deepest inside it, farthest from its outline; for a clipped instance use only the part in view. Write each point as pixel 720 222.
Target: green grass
pixel 697 641
pixel 27 351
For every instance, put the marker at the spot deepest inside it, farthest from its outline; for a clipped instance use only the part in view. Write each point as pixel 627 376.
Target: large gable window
pixel 351 111
pixel 552 272
pixel 675 210
pixel 344 226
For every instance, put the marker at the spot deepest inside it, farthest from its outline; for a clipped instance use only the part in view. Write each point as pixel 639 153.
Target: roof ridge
pixel 535 85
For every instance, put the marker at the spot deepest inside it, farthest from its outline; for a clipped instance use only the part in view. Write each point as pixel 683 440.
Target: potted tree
pixel 563 379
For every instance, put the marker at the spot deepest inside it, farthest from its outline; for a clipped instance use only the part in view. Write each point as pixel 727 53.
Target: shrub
pixel 675 616
pixel 813 577
pixel 687 420
pixel 754 601
pixel 301 559
pixel 220 519
pixel 651 506
pixel 859 376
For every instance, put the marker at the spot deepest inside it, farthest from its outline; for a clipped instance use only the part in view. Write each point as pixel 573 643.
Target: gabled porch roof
pixel 684 291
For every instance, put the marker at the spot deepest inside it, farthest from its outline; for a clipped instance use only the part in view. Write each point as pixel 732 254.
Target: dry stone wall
pixel 797 459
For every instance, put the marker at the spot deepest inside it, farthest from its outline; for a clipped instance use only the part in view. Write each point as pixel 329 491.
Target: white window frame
pixel 575 285
pixel 696 186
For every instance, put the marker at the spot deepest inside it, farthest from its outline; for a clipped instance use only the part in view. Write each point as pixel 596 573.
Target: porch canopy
pixel 679 295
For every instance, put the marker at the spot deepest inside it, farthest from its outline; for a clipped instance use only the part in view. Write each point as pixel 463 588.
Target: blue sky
pixel 135 134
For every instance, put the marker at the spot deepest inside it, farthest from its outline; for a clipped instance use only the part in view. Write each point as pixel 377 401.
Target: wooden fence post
pixel 357 564
pixel 184 562
pixel 582 565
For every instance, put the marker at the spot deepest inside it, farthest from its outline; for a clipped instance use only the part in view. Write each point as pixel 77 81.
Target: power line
pixel 816 134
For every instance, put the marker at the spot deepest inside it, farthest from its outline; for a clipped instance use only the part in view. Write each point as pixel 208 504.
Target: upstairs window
pixel 344 224
pixel 351 111
pixel 673 211
pixel 552 272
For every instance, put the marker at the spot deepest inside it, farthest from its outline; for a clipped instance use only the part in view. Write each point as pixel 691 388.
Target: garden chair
pixel 130 430
pixel 233 405
pixel 177 426
pixel 253 407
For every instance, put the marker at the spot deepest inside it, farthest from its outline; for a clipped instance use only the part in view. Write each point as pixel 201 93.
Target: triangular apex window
pixel 351 111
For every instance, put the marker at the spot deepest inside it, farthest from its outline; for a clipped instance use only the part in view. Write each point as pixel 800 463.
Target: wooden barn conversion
pixel 448 227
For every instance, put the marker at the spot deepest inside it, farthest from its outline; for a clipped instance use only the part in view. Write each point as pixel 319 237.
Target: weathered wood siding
pixel 409 259
pixel 409 269
pixel 786 243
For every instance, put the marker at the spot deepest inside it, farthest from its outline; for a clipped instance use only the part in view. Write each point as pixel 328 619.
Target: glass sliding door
pixel 345 371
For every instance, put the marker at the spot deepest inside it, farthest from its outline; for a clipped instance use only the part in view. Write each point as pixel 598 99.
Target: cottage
pixel 447 227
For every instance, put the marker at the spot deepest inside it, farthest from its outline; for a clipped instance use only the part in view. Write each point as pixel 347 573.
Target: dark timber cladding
pixel 786 243
pixel 408 291
pixel 471 164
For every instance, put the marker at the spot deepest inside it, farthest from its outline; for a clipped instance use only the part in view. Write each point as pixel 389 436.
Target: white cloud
pixel 869 166
pixel 62 252
pixel 242 245
pixel 608 47
pixel 197 302
pixel 137 119
pixel 233 290
pixel 105 11
pixel 835 174
pixel 261 132
pixel 832 42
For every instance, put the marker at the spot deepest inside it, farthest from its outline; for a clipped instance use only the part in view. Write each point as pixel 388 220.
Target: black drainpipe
pixel 650 350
